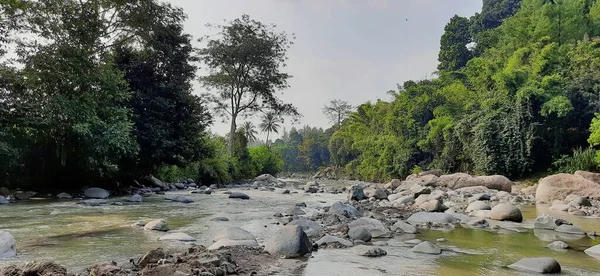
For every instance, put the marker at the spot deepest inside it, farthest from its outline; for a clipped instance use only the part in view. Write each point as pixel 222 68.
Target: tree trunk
pixel 231 135
pixel 267 142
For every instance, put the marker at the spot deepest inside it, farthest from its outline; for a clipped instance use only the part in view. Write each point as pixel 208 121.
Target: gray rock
pixel 544 221
pixel 177 237
pixel 98 193
pixel 427 248
pixel 356 193
pixel 311 228
pixel 294 211
pixel 157 225
pixel 343 209
pixel 593 251
pixel 135 198
pixel 368 251
pixel 477 206
pixel 479 196
pixel 404 227
pixel 406 200
pixel 558 245
pixel 208 191
pixel 505 211
pixel 290 242
pixel 374 226
pixel 432 205
pixel 426 217
pixel 576 200
pixel 234 236
pixel 266 178
pixel 570 229
pixel 220 219
pixel 576 212
pixel 301 204
pixel 413 241
pixel 359 233
pixel 484 214
pixel 3 200
pixel 328 239
pixel 182 199
pixel 478 223
pixel 8 245
pixel 542 265
pixel 375 192
pixel 239 195
pixel 311 187
pixel 94 202
pixel 63 196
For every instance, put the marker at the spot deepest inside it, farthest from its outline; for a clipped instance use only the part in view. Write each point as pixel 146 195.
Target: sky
pixel 354 50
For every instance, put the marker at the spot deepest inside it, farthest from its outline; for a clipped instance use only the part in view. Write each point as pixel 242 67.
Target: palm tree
pixel 270 123
pixel 249 131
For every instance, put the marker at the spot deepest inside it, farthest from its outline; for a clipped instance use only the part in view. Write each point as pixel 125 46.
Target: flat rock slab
pixel 569 229
pixel 177 237
pixel 424 217
pixel 593 251
pixel 328 239
pixel 542 265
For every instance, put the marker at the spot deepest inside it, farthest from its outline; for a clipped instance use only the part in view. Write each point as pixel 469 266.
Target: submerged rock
pixel 8 245
pixel 94 202
pixel 542 265
pixel 427 248
pixel 157 225
pixel 544 221
pixel 290 242
pixel 219 219
pixel 558 245
pixel 593 251
pixel 570 229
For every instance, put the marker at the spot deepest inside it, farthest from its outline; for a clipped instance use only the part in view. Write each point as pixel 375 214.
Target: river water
pixel 77 236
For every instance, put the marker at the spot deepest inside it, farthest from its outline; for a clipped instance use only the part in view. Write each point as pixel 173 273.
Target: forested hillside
pixel 517 90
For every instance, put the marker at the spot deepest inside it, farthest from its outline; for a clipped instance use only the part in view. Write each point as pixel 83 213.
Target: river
pixel 77 236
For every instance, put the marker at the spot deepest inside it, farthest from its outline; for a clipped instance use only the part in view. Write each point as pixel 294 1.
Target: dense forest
pixel 99 92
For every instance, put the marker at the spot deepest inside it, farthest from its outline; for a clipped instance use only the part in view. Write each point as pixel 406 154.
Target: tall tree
pixel 168 119
pixel 270 123
pixel 245 62
pixel 337 111
pixel 453 45
pixel 249 131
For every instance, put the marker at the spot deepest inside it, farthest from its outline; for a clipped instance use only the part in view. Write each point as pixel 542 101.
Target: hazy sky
pixel 355 50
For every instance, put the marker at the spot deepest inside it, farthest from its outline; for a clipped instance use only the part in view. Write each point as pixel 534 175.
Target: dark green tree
pixel 453 45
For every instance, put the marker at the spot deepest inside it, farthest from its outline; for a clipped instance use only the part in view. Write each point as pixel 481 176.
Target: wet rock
pixel 356 193
pixel 20 195
pixel 593 251
pixel 294 211
pixel 558 245
pixel 239 195
pixel 104 269
pixel 569 229
pixel 135 198
pixel 413 241
pixel 375 192
pixel 234 236
pixel 182 199
pixel 8 245
pixel 63 196
pixel 404 227
pixel 368 251
pixel 152 257
pixel 177 237
pixel 559 186
pixel 505 211
pixel 289 242
pixel 220 219
pixel 359 233
pixel 374 226
pixel 542 265
pixel 427 217
pixel 427 248
pixel 208 191
pixel 343 209
pixel 311 187
pixel 311 228
pixel 478 223
pixel 94 202
pixel 98 193
pixel 576 212
pixel 544 221
pixel 157 225
pixel 117 203
pixel 3 200
pixel 477 206
pixel 329 240
pixel 558 205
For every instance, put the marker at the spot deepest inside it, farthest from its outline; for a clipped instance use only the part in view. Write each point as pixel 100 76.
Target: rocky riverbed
pixel 428 224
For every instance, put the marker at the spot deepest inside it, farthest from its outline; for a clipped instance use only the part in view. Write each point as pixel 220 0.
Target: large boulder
pixel 375 192
pixel 593 251
pixel 135 198
pixel 427 217
pixel 404 227
pixel 424 180
pixel 239 195
pixel 359 233
pixel 157 225
pixel 505 211
pixel 8 245
pixel 374 226
pixel 542 265
pixel 594 177
pixel 432 205
pixel 478 205
pixel 98 193
pixel 356 193
pixel 343 209
pixel 461 180
pixel 311 228
pixel 290 242
pixel 427 248
pixel 156 183
pixel 544 221
pixel 234 236
pixel 559 186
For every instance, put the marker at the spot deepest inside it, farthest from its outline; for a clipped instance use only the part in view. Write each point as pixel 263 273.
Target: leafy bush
pixel 266 160
pixel 582 159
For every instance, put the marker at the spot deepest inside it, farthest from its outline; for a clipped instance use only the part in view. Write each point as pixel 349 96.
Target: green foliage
pixel 581 160
pixel 305 149
pixel 453 50
pixel 267 160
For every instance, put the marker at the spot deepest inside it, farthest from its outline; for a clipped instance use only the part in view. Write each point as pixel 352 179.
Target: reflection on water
pixel 78 236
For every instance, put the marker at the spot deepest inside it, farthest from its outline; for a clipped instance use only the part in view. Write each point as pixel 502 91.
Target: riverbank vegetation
pixel 100 92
